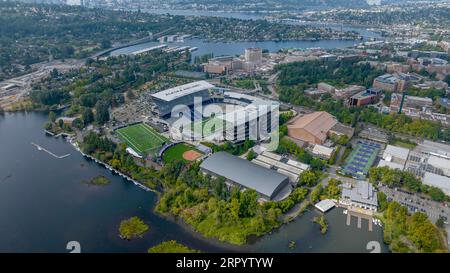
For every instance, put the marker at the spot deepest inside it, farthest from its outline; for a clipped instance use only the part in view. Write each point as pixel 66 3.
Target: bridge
pixel 135 42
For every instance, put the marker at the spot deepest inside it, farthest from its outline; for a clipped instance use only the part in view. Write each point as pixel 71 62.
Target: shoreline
pixel 178 220
pixel 107 166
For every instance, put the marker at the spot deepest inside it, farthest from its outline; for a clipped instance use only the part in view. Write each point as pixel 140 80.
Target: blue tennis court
pixel 361 159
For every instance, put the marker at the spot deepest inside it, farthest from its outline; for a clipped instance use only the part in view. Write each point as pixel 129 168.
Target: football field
pixel 141 137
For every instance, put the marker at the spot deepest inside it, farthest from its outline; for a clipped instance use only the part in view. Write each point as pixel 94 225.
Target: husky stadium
pixel 243 116
pixel 166 100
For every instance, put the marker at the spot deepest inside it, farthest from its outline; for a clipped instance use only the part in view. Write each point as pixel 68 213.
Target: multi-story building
pixel 253 55
pixel 362 195
pixel 326 87
pixel 386 82
pixel 409 105
pixel 219 65
pixel 366 97
pixel 392 67
pixel 394 157
pixel 348 91
pixel 166 100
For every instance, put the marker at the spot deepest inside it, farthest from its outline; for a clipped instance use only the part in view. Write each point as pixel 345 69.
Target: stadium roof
pixel 182 90
pixel 250 175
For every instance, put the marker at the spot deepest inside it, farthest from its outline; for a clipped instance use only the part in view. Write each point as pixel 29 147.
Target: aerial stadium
pixel 236 116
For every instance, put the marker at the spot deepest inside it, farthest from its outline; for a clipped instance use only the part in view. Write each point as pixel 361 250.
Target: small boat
pixel 345 211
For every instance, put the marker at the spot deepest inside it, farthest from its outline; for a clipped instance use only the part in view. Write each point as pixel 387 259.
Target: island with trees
pixel 98 181
pixel 131 228
pixel 171 246
pixel 322 222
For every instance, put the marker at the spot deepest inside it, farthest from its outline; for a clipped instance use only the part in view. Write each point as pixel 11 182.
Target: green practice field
pixel 178 152
pixel 141 138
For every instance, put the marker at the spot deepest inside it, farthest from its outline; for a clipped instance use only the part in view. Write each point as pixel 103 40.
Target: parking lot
pixel 416 203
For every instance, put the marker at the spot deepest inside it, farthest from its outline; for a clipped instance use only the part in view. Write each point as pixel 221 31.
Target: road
pixel 136 42
pixel 331 171
pixel 271 85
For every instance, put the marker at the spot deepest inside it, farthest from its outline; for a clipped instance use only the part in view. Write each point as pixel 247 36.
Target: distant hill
pixel 300 4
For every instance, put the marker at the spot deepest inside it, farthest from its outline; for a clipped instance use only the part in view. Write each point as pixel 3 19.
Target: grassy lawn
pixel 244 84
pixel 141 137
pixel 405 144
pixel 176 152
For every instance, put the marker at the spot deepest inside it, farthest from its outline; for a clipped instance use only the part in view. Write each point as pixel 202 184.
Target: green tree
pixel 132 228
pixel 171 247
pixel 248 203
pixel 101 113
pixel 308 178
pixel 52 116
pixel 87 116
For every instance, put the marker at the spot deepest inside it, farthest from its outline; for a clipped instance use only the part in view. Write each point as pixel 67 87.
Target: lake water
pixel 44 204
pixel 237 48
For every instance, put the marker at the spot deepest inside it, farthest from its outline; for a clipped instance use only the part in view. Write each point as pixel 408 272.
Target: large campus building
pixel 314 128
pixel 409 105
pixel 269 184
pixel 366 97
pixel 255 118
pixel 283 165
pixel 253 55
pixel 362 195
pixel 394 157
pixel 166 100
pixel 393 83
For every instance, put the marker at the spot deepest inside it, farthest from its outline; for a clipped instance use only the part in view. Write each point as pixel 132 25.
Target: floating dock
pixel 359 217
pixel 325 205
pixel 40 148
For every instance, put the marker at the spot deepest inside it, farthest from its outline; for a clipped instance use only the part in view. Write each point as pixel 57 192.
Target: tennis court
pixel 361 159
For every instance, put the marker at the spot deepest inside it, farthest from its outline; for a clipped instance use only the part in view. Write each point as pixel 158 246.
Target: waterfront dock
pixel 40 148
pixel 325 205
pixel 359 216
